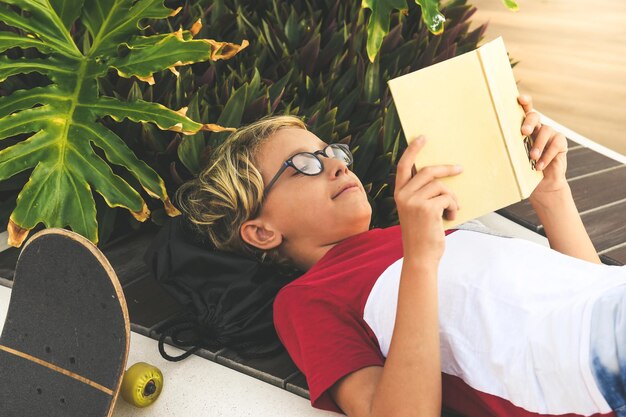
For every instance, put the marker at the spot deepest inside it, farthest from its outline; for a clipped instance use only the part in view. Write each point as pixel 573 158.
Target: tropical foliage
pixel 59 120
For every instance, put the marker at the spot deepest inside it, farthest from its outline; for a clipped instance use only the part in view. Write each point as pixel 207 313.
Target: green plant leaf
pixel 191 147
pixel 165 53
pixel 11 40
pixel 144 111
pixel 139 42
pixel 511 4
pixel 432 16
pixel 232 113
pixel 371 89
pixel 67 146
pixel 67 10
pixel 54 68
pixel 111 22
pixel 42 23
pixel 25 99
pixel 378 24
pixel 367 149
pixel 346 105
pixel 390 128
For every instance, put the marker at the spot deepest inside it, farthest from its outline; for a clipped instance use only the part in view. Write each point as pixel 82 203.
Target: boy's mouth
pixel 345 187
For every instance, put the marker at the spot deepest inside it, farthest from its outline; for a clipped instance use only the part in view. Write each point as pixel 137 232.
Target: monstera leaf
pixel 61 121
pixel 378 23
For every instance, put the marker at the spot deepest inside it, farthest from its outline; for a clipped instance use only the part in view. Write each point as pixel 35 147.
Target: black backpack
pixel 228 297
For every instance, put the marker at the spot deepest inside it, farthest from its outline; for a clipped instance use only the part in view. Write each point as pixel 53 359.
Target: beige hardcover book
pixel 467 108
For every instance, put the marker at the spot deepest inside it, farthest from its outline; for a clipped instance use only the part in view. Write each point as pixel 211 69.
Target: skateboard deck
pixel 64 344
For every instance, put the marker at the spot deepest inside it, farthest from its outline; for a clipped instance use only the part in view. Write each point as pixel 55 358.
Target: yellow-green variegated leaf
pixel 168 52
pixel 138 42
pixel 378 23
pixel 57 69
pixel 144 111
pixel 112 22
pixel 511 4
pixel 165 53
pixel 431 15
pixel 61 121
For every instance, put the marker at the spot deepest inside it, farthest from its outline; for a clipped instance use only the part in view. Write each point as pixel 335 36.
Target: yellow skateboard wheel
pixel 142 384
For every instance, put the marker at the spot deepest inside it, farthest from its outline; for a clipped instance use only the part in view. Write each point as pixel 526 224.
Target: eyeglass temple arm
pixel 280 171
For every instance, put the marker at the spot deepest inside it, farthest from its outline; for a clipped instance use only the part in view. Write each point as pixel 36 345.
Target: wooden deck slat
pixel 127 258
pixel 606 227
pixel 583 161
pixel 274 370
pixel 8 260
pixel 522 213
pixel 596 181
pixel 618 255
pixel 599 189
pixel 603 226
pixel 297 384
pixel 148 303
pixel 589 192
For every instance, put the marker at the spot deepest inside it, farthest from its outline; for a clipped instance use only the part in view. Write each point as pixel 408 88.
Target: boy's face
pixel 310 210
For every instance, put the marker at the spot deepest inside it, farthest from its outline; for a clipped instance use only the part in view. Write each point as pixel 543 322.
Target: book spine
pixel 495 102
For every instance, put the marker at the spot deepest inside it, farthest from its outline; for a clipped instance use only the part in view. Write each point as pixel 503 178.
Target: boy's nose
pixel 336 167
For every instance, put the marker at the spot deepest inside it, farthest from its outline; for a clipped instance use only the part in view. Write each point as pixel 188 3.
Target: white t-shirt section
pixel 514 320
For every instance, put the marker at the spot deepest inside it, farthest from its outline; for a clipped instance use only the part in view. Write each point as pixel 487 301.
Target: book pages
pixel 504 93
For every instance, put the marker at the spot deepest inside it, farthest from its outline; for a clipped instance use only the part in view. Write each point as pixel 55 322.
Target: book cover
pixel 467 108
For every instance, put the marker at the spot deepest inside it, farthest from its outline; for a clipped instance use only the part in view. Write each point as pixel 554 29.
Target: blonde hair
pixel 229 191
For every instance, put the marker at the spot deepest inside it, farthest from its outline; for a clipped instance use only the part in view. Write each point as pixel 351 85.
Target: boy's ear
pixel 257 233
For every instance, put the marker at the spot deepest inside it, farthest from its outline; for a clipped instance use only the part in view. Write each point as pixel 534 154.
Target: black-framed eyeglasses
pixel 308 163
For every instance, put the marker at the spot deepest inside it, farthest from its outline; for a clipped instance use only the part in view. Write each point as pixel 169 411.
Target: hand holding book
pixel 549 150
pixel 468 109
pixel 422 199
pixel 552 198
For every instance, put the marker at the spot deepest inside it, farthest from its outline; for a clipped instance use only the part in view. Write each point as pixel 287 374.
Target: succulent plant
pixel 309 58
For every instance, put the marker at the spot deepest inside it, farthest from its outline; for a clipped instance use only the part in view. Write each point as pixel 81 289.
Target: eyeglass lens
pixel 308 163
pixel 338 152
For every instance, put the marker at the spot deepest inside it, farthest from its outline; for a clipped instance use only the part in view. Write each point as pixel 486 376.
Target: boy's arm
pixel 562 223
pixel 552 198
pixel 409 383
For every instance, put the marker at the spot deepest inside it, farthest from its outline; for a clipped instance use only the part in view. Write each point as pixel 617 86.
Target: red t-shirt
pixel 319 316
pixel 514 320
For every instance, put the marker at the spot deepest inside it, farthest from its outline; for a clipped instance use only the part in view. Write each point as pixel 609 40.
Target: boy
pixel 382 319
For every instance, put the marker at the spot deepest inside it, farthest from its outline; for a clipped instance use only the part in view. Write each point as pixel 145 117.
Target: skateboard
pixel 65 340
